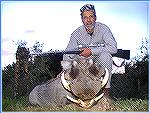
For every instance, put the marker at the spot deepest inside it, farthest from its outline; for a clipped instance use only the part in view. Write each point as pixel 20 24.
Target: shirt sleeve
pixel 72 45
pixel 110 44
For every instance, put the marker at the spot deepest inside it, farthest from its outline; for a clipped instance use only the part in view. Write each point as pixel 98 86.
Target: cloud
pixel 6 53
pixel 7 39
pixel 30 31
pixel 7 58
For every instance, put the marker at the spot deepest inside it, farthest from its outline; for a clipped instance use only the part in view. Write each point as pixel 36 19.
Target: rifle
pixel 125 54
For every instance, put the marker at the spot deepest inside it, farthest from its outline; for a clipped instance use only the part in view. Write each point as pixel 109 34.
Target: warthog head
pixel 84 80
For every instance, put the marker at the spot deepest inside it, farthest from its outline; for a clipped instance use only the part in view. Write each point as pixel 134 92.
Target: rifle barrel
pixel 125 54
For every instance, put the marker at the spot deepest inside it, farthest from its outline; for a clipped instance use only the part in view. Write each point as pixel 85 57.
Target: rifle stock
pixel 125 54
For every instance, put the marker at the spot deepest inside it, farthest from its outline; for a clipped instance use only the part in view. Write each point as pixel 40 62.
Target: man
pixel 96 41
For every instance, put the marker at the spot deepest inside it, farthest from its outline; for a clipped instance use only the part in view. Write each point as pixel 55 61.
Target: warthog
pixel 80 82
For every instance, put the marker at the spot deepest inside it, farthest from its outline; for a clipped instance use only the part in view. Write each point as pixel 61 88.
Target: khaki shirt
pixel 101 35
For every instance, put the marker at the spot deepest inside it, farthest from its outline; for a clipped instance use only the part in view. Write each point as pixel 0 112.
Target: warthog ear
pixel 66 65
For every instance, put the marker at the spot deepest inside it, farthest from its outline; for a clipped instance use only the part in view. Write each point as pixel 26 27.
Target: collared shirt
pixel 101 35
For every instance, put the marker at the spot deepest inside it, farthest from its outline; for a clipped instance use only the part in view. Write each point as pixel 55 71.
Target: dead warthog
pixel 81 82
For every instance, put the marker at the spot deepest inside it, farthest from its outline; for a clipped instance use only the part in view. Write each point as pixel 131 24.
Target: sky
pixel 52 23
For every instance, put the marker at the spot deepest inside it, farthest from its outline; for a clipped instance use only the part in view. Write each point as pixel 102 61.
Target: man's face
pixel 88 20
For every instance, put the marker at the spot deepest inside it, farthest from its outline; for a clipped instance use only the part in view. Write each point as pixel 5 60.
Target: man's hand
pixel 87 52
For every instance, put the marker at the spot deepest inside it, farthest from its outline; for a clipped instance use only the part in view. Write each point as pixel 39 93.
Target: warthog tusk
pixel 106 77
pixel 83 104
pixel 91 103
pixel 96 99
pixel 73 100
pixel 78 101
pixel 64 82
pixel 99 97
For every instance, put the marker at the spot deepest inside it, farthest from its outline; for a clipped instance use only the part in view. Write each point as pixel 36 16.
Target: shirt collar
pixel 86 33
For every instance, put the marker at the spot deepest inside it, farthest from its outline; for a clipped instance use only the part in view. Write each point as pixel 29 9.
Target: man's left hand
pixel 87 52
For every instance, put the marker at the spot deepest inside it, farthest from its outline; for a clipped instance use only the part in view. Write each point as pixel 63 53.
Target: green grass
pixel 21 104
pixel 130 105
pixel 9 104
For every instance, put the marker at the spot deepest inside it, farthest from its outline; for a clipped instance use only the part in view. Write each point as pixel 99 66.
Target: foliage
pixel 127 89
pixel 134 83
pixel 37 72
pixel 8 80
pixel 143 50
pixel 37 47
pixel 21 43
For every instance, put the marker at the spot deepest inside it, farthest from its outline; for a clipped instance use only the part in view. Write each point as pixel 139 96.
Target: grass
pixel 21 104
pixel 130 105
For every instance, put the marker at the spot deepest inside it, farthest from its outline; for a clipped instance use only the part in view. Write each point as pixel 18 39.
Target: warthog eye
pixel 74 72
pixel 93 69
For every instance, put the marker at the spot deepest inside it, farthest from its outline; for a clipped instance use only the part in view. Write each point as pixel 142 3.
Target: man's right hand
pixel 87 52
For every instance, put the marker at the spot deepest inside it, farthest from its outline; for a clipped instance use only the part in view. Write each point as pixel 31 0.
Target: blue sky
pixel 53 22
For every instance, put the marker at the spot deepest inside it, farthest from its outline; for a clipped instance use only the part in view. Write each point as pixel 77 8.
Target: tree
pixel 143 50
pixel 134 82
pixel 21 77
pixel 37 47
pixel 8 74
